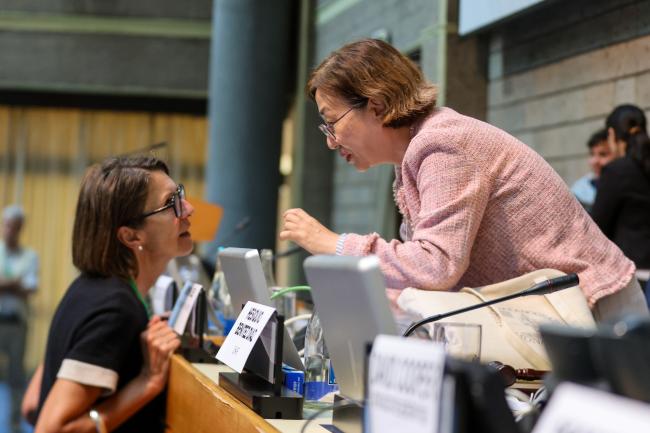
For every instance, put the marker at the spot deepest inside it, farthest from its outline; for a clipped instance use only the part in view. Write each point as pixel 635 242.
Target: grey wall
pixel 568 28
pixel 140 48
pixel 187 9
pixel 104 63
pixel 555 74
pixel 409 25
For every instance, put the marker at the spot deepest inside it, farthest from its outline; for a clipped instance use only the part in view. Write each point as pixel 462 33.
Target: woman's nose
pixel 188 209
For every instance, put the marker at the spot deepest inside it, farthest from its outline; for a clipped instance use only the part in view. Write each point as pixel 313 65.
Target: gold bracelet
pixel 100 425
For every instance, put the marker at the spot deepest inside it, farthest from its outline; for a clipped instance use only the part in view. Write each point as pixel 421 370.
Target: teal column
pixel 250 75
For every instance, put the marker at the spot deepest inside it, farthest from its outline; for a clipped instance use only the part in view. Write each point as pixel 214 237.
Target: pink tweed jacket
pixel 480 207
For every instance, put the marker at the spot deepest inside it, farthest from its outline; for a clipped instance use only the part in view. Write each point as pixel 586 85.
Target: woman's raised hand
pixel 159 341
pixel 303 229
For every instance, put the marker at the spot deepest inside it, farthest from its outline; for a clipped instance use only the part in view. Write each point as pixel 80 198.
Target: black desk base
pixel 258 394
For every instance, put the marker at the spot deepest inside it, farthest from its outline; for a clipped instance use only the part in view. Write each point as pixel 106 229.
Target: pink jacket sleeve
pixel 452 196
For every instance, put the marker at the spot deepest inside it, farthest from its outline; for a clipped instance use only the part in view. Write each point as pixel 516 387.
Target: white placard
pixel 159 293
pixel 183 306
pixel 404 383
pixel 244 333
pixel 578 409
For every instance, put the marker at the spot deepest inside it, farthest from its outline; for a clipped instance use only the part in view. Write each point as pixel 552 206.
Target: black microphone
pixel 543 288
pixel 241 225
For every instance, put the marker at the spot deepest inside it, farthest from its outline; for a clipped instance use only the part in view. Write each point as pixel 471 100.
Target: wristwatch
pixel 100 425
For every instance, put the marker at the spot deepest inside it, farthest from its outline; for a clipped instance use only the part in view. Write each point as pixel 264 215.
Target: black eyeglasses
pixel 327 128
pixel 175 202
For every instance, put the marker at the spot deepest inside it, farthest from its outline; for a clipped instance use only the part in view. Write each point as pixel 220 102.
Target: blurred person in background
pixel 18 281
pixel 107 359
pixel 622 206
pixel 478 205
pixel 600 154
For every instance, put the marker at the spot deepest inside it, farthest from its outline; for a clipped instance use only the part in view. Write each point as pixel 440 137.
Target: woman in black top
pixel 107 360
pixel 622 206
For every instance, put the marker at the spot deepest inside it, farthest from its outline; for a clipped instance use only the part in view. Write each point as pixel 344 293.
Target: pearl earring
pixel 139 247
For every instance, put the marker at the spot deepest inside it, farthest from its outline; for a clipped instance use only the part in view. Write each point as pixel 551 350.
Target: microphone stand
pixel 543 288
pixel 288 252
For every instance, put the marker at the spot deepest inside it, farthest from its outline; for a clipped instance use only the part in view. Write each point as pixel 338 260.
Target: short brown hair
pixel 113 194
pixel 371 68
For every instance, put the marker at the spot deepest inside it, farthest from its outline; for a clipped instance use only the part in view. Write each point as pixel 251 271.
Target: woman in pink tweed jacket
pixel 478 205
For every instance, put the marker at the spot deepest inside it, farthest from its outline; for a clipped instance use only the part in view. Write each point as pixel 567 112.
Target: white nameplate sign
pixel 244 334
pixel 404 385
pixel 578 409
pixel 183 306
pixel 159 293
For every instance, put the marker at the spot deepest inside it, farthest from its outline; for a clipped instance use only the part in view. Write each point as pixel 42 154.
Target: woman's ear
pixel 377 108
pixel 130 237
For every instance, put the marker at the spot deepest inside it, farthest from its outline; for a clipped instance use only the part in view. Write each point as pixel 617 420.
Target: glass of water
pixel 461 340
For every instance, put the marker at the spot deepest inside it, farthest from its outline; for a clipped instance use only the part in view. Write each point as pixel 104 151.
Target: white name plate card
pixel 159 293
pixel 578 409
pixel 237 346
pixel 183 306
pixel 404 385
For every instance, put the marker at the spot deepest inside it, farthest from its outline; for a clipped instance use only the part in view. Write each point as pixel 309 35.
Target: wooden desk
pixel 197 404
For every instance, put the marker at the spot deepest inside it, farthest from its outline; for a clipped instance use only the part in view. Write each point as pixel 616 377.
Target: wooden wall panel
pixel 43 155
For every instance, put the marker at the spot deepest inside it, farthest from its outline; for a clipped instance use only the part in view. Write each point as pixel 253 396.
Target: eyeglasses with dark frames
pixel 175 202
pixel 327 128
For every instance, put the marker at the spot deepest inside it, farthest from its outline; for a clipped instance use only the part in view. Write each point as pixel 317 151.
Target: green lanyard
pixel 139 295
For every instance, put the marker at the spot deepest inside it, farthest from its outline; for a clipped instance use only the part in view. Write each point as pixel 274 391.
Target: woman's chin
pixel 185 246
pixel 360 167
